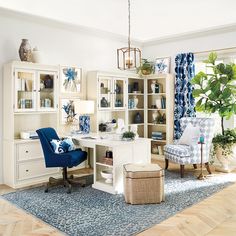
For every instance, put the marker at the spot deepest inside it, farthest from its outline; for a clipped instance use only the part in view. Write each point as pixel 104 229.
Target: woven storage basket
pixel 143 183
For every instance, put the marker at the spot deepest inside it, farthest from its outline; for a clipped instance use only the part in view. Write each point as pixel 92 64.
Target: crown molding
pixel 67 26
pixel 113 36
pixel 189 35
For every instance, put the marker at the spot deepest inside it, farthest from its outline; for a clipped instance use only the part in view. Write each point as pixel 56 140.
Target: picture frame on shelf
pixel 162 65
pixel 67 111
pixel 70 80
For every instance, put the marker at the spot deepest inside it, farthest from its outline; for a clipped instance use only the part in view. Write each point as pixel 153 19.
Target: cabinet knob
pixel 26 151
pixel 27 170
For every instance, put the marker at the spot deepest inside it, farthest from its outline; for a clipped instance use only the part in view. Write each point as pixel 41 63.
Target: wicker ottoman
pixel 143 183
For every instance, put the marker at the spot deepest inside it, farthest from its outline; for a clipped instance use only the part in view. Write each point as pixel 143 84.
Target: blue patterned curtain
pixel 184 101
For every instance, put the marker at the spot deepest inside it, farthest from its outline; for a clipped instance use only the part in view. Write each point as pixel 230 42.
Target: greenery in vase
pixel 128 135
pixel 146 67
pixel 217 94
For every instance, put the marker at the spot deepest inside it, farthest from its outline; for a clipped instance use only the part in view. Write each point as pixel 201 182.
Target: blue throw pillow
pixel 61 146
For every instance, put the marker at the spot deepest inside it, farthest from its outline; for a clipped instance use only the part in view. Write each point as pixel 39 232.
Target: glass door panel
pixel 47 92
pixel 105 89
pixel 119 98
pixel 25 91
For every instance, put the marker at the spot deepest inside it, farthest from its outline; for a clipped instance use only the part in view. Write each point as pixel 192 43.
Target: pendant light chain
pixel 129 23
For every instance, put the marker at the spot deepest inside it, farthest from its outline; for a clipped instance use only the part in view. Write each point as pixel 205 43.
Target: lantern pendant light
pixel 128 57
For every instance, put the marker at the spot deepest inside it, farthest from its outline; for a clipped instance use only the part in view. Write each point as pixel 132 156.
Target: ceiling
pixel 150 19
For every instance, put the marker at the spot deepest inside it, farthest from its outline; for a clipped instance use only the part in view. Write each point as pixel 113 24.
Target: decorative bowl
pixel 107 174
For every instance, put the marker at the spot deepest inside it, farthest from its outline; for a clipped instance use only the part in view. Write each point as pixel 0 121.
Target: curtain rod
pixel 215 50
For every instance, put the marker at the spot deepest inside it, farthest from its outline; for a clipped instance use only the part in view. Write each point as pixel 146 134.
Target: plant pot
pixel 224 161
pixel 146 72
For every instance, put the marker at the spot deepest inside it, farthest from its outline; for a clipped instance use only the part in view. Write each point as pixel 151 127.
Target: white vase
pixel 154 116
pixel 153 86
pixel 135 101
pixel 158 103
pixel 36 56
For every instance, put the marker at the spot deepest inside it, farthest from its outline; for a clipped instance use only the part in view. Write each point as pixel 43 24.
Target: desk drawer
pixel 28 151
pixel 32 169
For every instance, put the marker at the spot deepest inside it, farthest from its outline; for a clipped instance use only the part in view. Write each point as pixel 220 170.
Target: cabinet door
pixel 25 90
pixel 47 91
pixel 105 93
pixel 118 93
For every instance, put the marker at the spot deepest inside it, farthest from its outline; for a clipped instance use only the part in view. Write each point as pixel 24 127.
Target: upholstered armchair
pixel 191 154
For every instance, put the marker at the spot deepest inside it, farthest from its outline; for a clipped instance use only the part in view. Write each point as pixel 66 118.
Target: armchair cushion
pixel 178 150
pixel 190 135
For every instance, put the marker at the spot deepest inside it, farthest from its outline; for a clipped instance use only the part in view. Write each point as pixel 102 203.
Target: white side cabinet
pixel 30 102
pixel 137 151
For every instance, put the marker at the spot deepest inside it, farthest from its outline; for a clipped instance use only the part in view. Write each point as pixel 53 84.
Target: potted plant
pixel 146 67
pixel 217 93
pixel 128 136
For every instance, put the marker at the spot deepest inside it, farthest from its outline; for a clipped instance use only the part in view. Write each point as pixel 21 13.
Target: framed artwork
pixel 67 111
pixel 162 65
pixel 71 78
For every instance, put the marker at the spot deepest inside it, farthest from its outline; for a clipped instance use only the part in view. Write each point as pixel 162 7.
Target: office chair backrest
pixel 45 136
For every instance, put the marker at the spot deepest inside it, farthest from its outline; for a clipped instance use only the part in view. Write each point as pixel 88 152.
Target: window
pixel 226 57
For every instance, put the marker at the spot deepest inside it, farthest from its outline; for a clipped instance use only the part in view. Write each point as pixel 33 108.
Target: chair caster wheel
pixel 46 190
pixel 83 185
pixel 69 189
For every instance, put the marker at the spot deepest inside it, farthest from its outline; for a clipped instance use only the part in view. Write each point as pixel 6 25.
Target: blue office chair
pixel 64 160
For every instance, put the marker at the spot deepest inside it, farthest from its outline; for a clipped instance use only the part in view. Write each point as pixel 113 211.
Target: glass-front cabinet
pixel 47 91
pixel 35 90
pixel 111 93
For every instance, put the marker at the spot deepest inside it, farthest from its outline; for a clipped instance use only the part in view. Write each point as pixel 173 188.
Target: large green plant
pixel 217 90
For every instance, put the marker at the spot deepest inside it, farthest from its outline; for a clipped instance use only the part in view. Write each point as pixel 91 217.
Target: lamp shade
pixel 84 107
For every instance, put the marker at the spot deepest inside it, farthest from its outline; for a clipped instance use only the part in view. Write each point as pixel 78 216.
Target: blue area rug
pixel 88 211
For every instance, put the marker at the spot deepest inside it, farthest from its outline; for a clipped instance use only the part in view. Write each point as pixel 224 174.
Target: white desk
pixel 137 151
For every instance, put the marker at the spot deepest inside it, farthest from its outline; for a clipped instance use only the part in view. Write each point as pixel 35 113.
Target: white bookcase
pixel 160 112
pixel 30 97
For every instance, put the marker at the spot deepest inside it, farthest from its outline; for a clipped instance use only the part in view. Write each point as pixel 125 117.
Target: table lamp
pixel 84 108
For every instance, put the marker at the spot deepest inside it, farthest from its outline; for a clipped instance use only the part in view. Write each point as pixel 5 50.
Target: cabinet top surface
pixel 31 65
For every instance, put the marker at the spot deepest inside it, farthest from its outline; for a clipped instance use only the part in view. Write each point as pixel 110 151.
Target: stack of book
pixel 157 135
pixel 163 103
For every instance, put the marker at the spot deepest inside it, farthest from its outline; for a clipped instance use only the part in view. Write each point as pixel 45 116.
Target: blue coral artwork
pixel 84 124
pixel 71 79
pixel 184 101
pixel 68 111
pixel 162 65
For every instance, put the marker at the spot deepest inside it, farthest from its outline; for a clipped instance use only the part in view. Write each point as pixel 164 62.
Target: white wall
pixel 60 46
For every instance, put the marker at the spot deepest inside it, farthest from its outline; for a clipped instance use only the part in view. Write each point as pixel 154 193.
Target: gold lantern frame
pixel 128 57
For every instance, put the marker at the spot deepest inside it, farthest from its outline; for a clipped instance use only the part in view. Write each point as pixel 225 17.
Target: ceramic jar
pixel 36 56
pixel 25 51
pixel 104 102
pixel 135 101
pixel 158 103
pixel 137 118
pixel 154 116
pixel 153 86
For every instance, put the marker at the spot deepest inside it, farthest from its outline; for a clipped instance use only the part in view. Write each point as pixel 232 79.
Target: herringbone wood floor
pixel 215 216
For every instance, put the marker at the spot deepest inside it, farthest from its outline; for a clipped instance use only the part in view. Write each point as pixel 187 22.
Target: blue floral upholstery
pixel 191 154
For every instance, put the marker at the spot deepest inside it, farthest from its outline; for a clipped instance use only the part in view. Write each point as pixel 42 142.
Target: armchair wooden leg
pixel 208 167
pixel 166 163
pixel 195 166
pixel 182 171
